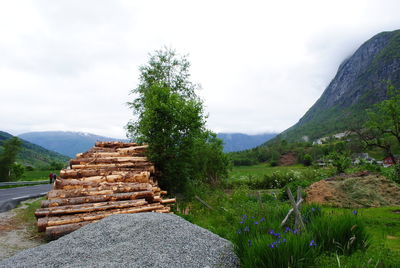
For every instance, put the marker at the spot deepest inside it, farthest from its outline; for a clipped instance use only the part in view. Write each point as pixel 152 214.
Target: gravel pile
pixel 132 240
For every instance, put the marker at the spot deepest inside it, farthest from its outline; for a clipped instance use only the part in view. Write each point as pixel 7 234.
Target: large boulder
pixel 132 240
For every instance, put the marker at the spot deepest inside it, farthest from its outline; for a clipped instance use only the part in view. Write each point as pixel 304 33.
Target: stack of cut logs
pixel 111 178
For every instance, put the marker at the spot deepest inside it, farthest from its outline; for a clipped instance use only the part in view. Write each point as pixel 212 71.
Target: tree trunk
pixel 116 144
pixel 108 160
pixel 68 219
pixel 60 230
pixel 68 184
pixel 89 207
pixel 108 166
pixel 102 190
pixel 74 174
pixel 149 195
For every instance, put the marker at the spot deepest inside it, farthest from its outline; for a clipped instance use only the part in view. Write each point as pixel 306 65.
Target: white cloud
pixel 69 65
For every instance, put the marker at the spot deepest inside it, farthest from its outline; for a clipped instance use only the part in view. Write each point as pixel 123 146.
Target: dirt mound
pixel 356 190
pixel 288 159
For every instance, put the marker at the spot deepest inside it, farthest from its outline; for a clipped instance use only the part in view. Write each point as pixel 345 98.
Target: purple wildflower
pixel 312 243
pixel 239 231
pixel 355 212
pixel 256 222
pixel 296 231
pixel 287 229
pixel 246 229
pixel 271 232
pixel 262 219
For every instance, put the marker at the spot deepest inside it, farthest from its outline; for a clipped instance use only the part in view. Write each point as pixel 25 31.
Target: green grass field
pixel 263 169
pixel 38 175
pixel 382 224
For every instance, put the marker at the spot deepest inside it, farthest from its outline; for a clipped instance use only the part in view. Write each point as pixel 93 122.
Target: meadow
pixel 251 217
pixel 38 175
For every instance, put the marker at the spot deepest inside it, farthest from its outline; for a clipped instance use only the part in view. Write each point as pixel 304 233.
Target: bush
pixel 340 161
pixel 293 187
pixel 273 163
pixel 307 160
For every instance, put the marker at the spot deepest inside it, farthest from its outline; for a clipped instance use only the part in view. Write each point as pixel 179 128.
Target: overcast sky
pixel 70 65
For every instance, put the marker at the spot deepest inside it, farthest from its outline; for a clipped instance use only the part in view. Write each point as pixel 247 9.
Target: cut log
pixel 133 150
pixel 60 230
pixel 68 219
pixel 67 184
pixel 168 201
pixel 89 207
pixel 108 160
pixel 75 174
pixel 115 144
pixel 101 190
pixel 164 210
pixel 116 165
pixel 143 177
pixel 97 198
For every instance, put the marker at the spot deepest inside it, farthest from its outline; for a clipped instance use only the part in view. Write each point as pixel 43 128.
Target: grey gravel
pixel 132 240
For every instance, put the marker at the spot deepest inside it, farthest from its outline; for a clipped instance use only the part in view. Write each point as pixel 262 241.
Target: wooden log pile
pixel 111 178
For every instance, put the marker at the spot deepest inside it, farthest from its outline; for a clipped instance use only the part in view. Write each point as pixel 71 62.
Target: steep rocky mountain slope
pixel 65 142
pixel 360 82
pixel 32 154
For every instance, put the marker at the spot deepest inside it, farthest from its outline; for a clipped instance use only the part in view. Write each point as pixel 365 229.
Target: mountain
pixel 234 142
pixel 32 154
pixel 360 82
pixel 64 142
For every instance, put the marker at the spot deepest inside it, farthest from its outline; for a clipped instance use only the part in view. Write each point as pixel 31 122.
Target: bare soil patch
pixel 288 159
pixel 16 235
pixel 355 190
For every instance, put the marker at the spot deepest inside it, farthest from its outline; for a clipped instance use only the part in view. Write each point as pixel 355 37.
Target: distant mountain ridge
pixel 234 142
pixel 32 154
pixel 360 82
pixel 65 142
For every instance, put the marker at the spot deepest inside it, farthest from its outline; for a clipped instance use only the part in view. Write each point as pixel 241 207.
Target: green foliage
pixel 55 165
pixel 260 242
pixel 17 171
pixel 371 227
pixel 307 160
pixel 7 159
pixel 263 177
pixel 31 154
pixel 340 161
pixel 171 121
pixel 211 162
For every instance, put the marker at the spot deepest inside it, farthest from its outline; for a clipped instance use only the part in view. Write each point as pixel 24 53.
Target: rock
pixel 132 240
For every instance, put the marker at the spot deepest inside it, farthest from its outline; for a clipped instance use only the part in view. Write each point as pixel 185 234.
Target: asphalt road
pixel 10 197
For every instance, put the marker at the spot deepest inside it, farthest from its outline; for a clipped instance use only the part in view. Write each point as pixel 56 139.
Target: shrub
pixel 273 163
pixel 293 187
pixel 307 160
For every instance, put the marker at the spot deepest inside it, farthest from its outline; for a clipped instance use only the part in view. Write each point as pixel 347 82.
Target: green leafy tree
pixel 17 171
pixel 340 161
pixel 170 119
pixel 382 129
pixel 7 158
